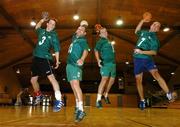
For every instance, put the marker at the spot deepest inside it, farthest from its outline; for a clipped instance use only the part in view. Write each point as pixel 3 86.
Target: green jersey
pixel 46 42
pixel 76 49
pixel 146 41
pixel 106 50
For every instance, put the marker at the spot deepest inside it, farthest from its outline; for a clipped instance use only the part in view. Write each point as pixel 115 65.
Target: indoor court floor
pixel 28 116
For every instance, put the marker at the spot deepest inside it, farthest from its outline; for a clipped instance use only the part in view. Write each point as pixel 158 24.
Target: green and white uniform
pixel 107 55
pixel 42 58
pixel 146 41
pixel 46 41
pixel 75 52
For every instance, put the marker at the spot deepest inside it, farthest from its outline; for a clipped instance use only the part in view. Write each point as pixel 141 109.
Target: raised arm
pixel 39 24
pixel 138 27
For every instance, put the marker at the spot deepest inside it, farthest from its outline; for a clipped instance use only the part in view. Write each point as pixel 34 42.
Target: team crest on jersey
pixel 74 41
pixel 74 77
pixel 78 74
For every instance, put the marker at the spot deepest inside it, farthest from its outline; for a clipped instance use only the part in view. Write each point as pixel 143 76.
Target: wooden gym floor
pixel 28 116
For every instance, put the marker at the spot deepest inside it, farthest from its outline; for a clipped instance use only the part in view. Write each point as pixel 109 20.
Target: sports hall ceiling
pixel 17 37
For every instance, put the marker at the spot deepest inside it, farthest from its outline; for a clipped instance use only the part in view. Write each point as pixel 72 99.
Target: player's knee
pixel 104 80
pixel 138 81
pixel 156 75
pixel 51 77
pixel 33 80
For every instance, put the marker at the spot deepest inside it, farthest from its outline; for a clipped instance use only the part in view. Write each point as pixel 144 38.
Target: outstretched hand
pixel 45 16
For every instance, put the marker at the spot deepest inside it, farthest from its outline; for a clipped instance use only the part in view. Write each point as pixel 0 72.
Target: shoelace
pixel 169 96
pixel 81 114
pixel 60 104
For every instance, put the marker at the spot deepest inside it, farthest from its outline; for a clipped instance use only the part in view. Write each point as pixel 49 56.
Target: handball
pixel 45 15
pixel 147 16
pixel 98 27
pixel 84 23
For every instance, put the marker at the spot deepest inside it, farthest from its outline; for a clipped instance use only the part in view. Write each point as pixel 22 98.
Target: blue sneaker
pixel 58 106
pixel 142 105
pixel 38 99
pixel 76 110
pixel 107 101
pixel 99 104
pixel 80 115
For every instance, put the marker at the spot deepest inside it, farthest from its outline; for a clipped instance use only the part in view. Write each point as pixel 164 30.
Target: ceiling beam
pixel 98 16
pixel 66 38
pixel 125 38
pixel 69 27
pixel 66 27
pixel 15 61
pixel 30 54
pixel 134 43
pixel 14 24
pixel 169 37
pixel 168 58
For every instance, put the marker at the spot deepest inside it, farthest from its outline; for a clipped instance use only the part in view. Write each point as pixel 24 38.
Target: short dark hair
pixel 54 19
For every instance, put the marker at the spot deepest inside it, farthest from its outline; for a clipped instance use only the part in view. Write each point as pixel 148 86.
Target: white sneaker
pixel 171 96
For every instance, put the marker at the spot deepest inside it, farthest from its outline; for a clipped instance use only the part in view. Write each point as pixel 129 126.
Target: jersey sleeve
pixel 98 46
pixel 85 45
pixel 155 44
pixel 138 33
pixel 56 45
pixel 39 30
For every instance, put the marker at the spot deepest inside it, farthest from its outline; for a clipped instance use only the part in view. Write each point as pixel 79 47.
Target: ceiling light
pixel 113 42
pixel 76 17
pixel 166 29
pixel 172 73
pixel 127 62
pixel 119 21
pixel 33 22
pixel 120 79
pixel 18 71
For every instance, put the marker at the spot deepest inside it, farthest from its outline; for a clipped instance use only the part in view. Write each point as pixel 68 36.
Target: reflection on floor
pixel 28 116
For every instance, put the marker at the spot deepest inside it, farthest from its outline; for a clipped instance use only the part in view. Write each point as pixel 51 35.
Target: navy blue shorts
pixel 142 65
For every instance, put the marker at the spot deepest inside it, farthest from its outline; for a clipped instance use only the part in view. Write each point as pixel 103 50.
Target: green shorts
pixel 73 73
pixel 109 70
